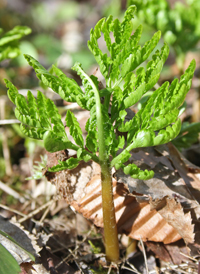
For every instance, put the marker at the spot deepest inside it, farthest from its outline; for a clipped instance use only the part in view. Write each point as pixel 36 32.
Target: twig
pixel 72 252
pixel 18 212
pixel 144 254
pixel 178 269
pixel 189 257
pixel 12 210
pixel 173 267
pixel 133 267
pixel 113 264
pixel 130 269
pixel 45 214
pixel 31 214
pixel 109 270
pixel 11 192
pixel 9 121
pixel 127 268
pixel 63 261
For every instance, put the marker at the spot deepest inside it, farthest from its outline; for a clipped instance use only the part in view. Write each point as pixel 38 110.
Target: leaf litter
pixel 162 209
pixel 157 210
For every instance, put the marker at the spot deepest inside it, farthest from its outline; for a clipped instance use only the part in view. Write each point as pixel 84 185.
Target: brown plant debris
pixel 157 210
pixel 173 213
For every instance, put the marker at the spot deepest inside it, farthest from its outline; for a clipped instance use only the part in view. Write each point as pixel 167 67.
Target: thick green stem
pixel 110 227
pixel 109 220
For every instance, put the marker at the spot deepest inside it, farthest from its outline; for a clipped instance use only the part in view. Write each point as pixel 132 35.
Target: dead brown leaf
pixel 54 264
pixel 169 252
pixel 166 181
pixel 134 218
pixel 189 172
pixel 157 210
pixel 173 213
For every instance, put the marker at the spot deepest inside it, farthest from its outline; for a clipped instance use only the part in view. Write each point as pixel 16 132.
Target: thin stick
pixel 109 270
pixel 72 252
pixel 144 254
pixel 133 267
pixel 130 269
pixel 178 269
pixel 19 213
pixel 189 257
pixel 9 121
pixel 173 267
pixel 12 210
pixel 45 214
pixel 31 214
pixel 64 260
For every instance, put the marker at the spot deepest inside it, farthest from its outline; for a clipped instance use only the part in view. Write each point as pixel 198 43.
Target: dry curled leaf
pixel 170 252
pixel 173 213
pixel 82 189
pixel 140 211
pixel 166 181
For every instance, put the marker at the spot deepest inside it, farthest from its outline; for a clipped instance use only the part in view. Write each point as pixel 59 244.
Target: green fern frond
pixel 67 88
pixel 127 82
pixel 9 42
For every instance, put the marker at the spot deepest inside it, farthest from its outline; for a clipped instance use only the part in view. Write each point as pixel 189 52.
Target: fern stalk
pixel 109 220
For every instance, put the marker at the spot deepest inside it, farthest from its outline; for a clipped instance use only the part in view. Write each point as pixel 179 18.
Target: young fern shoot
pixel 126 81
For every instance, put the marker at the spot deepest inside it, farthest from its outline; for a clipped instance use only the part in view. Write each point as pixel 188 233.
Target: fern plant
pixel 9 42
pixel 126 81
pixel 179 25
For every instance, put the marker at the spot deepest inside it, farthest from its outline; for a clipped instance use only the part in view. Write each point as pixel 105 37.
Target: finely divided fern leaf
pixel 136 173
pixel 125 53
pixel 9 46
pixel 91 128
pixel 67 88
pixel 40 119
pixel 70 163
pixel 88 98
pixel 157 121
pixel 74 128
pixel 188 135
pixel 160 113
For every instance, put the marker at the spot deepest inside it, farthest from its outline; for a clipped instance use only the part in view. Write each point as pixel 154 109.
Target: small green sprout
pixel 94 249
